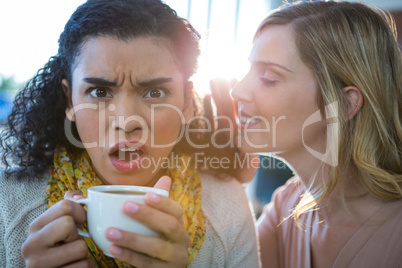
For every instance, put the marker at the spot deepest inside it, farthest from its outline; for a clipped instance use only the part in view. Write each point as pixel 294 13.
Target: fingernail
pixel 114 234
pixel 77 196
pixel 154 198
pixel 115 250
pixel 131 207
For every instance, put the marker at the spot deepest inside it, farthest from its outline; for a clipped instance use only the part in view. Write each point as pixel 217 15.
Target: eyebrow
pixel 144 83
pixel 99 81
pixel 154 81
pixel 261 63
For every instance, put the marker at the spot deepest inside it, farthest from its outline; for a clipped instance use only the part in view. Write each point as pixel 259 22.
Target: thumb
pixel 73 195
pixel 164 183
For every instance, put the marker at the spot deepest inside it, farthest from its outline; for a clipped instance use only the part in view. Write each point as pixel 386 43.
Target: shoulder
pixel 284 199
pixel 231 236
pixel 18 181
pixel 20 187
pixel 223 197
pixel 22 199
pixel 288 195
pixel 293 186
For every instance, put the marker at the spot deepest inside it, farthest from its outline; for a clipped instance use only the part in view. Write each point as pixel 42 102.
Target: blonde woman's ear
pixel 67 92
pixel 355 100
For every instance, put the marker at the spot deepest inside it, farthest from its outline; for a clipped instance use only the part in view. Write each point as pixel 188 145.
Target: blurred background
pixel 29 32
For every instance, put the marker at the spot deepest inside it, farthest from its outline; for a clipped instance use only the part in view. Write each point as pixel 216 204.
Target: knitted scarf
pixel 74 172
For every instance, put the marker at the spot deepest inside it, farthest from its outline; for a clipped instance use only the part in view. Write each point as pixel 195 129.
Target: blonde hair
pixel 352 44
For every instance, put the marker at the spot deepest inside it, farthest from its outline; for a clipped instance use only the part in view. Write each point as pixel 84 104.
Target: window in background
pixel 30 30
pixel 227 28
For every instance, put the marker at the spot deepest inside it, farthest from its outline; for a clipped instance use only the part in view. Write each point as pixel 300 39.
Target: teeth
pixel 248 120
pixel 129 149
pixel 128 154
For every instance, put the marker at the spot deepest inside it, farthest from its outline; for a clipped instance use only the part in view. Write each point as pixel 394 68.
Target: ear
pixel 188 110
pixel 355 100
pixel 67 91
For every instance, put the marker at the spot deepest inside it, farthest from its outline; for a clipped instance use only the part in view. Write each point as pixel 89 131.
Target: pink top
pixel 376 243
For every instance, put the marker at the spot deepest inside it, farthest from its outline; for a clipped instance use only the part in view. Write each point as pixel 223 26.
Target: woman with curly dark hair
pixel 115 98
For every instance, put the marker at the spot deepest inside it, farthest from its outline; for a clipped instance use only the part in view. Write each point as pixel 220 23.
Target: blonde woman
pixel 324 93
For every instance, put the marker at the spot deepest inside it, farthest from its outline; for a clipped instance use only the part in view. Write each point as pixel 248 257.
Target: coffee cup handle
pixel 81 232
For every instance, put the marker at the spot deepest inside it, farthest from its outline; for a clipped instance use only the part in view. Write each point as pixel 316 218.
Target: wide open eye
pixel 99 93
pixel 155 93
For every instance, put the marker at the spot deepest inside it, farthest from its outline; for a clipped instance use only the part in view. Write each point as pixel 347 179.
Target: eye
pixel 268 82
pixel 99 93
pixel 155 93
pixel 269 78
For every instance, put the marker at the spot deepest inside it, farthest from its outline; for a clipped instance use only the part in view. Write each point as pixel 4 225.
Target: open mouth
pixel 127 151
pixel 248 120
pixel 128 154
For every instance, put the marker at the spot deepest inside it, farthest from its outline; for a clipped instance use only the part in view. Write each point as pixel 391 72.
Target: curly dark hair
pixel 36 123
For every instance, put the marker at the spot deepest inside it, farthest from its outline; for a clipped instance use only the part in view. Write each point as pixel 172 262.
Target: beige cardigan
pixel 377 242
pixel 230 241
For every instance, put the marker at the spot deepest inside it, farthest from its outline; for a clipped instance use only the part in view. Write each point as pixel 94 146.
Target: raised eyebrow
pixel 99 81
pixel 154 81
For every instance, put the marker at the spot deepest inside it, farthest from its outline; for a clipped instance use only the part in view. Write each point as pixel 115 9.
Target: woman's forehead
pixel 140 56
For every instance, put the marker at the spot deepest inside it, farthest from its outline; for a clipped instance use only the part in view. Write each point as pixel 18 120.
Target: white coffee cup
pixel 105 209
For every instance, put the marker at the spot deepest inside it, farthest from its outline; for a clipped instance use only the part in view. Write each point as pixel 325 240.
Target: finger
pixel 164 204
pixel 172 227
pixel 58 256
pixel 151 246
pixel 164 183
pixel 220 89
pixel 215 91
pixel 61 208
pixel 233 82
pixel 61 230
pixel 73 195
pixel 141 260
pixel 208 111
pixel 75 251
pixel 135 259
pixel 222 98
pixel 88 263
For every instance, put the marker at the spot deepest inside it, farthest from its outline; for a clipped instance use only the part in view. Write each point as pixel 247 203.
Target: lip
pixel 248 124
pixel 242 113
pixel 127 166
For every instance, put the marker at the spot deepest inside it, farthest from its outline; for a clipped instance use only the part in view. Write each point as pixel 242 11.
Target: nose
pixel 242 92
pixel 127 116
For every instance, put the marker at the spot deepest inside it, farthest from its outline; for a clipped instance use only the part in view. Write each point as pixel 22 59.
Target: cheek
pixel 87 123
pixel 288 118
pixel 166 125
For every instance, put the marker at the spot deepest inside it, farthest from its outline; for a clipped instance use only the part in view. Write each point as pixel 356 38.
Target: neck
pixel 304 164
pixel 349 195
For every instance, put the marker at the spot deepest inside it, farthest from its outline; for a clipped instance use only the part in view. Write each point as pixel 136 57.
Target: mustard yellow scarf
pixel 74 172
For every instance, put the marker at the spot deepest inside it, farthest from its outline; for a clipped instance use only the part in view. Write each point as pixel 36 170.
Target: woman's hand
pixel 162 215
pixel 226 112
pixel 53 240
